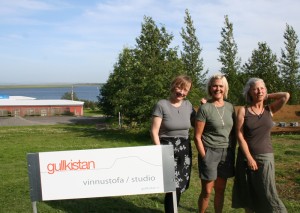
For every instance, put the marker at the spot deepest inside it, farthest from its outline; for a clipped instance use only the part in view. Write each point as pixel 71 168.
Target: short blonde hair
pixel 248 86
pixel 224 81
pixel 181 81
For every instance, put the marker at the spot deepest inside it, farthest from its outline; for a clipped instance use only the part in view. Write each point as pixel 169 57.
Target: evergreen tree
pixel 262 64
pixel 157 65
pixel 192 60
pixel 230 62
pixel 114 94
pixel 141 76
pixel 289 65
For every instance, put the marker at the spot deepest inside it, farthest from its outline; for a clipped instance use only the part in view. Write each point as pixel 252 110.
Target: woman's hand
pixel 252 164
pixel 280 99
pixel 199 127
pixel 202 153
pixel 203 101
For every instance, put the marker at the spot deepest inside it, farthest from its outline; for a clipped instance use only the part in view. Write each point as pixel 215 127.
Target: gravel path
pixel 29 121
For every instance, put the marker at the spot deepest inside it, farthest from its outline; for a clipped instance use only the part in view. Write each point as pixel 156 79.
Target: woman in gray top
pixel 254 186
pixel 171 121
pixel 215 142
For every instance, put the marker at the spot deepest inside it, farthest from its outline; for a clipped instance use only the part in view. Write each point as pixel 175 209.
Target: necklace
pixel 176 105
pixel 258 115
pixel 221 116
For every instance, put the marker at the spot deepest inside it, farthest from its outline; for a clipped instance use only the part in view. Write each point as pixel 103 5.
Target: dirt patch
pixel 40 120
pixel 288 115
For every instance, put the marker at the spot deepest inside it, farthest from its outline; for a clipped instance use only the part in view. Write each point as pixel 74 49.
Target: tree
pixel 116 91
pixel 289 65
pixel 142 75
pixel 157 64
pixel 68 96
pixel 192 60
pixel 230 62
pixel 262 64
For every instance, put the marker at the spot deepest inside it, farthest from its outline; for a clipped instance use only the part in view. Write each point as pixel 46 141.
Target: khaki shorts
pixel 217 162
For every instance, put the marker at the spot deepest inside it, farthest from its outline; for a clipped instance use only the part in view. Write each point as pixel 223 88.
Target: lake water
pixel 82 92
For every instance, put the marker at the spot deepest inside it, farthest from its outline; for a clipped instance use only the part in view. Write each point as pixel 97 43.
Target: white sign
pixel 101 172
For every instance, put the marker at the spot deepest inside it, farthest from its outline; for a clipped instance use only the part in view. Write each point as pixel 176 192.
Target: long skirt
pixel 183 160
pixel 256 190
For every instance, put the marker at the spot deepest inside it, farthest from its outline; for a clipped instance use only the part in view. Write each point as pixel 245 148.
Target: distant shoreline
pixel 63 85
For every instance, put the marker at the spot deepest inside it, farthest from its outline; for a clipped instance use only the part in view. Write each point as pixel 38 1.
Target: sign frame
pixel 37 182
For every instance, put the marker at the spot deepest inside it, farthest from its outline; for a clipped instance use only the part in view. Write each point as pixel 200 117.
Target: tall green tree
pixel 157 65
pixel 262 64
pixel 230 61
pixel 289 65
pixel 142 75
pixel 115 93
pixel 192 60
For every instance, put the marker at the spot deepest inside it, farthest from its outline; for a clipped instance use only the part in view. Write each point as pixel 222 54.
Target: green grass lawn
pixel 16 142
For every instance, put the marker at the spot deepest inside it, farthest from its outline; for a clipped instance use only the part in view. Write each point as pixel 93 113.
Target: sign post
pixel 101 173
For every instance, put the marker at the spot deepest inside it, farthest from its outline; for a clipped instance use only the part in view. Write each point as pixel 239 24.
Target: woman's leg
pixel 206 189
pixel 220 185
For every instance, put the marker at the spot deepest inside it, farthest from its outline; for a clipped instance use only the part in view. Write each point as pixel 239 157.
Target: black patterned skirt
pixel 183 160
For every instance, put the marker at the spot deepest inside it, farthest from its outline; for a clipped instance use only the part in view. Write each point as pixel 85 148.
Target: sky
pixel 79 41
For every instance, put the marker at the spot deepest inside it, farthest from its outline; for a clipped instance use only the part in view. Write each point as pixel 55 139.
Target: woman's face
pixel 217 89
pixel 181 93
pixel 258 91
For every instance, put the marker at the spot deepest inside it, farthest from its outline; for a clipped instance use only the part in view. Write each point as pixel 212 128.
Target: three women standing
pixel 254 184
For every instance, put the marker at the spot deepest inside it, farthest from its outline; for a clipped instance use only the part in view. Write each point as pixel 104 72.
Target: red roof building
pixel 27 106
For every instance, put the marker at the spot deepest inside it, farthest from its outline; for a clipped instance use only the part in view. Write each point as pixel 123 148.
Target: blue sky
pixel 78 41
